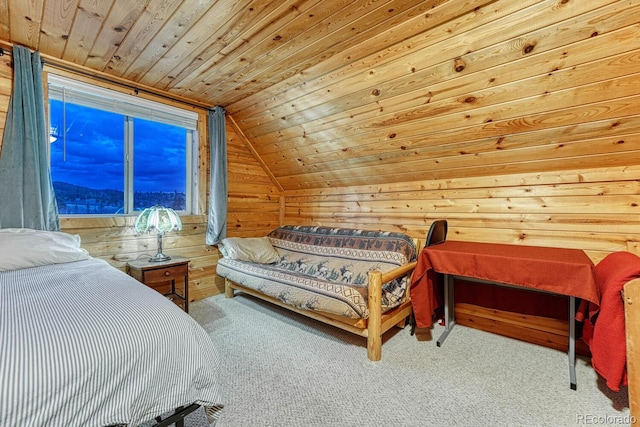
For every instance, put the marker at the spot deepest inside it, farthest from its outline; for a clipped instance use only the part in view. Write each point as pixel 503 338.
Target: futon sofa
pixel 357 280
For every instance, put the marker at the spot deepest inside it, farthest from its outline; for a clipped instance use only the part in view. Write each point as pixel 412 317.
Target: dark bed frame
pixel 176 418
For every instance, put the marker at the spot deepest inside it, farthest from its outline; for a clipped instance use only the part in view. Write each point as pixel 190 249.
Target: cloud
pixel 95 150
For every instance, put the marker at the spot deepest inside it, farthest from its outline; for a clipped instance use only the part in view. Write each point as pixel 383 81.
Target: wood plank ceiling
pixel 339 93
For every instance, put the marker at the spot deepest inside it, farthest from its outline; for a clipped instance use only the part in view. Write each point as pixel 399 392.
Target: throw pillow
pixel 253 249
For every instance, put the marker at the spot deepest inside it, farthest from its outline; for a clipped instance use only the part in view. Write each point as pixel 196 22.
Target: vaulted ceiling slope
pixel 352 92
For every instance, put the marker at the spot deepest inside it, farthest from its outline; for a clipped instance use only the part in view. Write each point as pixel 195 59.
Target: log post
pixel 374 324
pixel 632 330
pixel 228 289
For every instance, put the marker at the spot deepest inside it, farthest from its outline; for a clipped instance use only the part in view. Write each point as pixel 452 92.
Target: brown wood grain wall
pixel 510 87
pixel 593 209
pixel 6 75
pixel 254 210
pixel 519 122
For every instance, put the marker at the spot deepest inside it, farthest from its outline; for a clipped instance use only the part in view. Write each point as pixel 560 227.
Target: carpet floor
pixel 282 369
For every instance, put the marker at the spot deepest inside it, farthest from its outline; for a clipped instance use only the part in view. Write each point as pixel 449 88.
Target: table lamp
pixel 161 220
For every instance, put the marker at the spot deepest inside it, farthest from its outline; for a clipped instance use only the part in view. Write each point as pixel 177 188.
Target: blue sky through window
pixel 94 148
pixel 93 158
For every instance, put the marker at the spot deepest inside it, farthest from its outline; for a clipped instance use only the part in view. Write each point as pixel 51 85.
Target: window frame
pixel 131 107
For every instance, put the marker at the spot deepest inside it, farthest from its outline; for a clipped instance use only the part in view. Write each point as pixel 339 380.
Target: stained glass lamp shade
pixel 160 220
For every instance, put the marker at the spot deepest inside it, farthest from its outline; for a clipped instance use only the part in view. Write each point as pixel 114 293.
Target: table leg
pixel 572 343
pixel 449 312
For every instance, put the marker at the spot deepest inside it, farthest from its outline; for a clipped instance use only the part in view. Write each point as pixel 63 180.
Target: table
pixel 163 277
pixel 559 271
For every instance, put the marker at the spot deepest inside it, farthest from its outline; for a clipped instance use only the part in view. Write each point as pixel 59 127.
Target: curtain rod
pixel 136 89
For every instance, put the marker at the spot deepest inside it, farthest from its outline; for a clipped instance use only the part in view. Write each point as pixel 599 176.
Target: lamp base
pixel 159 257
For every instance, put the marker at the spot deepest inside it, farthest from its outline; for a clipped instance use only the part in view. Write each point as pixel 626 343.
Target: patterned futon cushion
pixel 326 269
pixel 343 255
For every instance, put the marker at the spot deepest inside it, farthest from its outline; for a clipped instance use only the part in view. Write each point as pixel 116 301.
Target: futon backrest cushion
pixel 341 255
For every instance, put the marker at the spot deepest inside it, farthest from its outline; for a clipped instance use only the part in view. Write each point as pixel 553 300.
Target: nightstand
pixel 170 278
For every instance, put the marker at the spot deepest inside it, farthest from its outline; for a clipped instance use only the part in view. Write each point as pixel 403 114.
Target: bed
pixel 84 344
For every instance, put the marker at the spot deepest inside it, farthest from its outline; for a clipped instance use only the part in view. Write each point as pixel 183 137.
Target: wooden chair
pixel 437 232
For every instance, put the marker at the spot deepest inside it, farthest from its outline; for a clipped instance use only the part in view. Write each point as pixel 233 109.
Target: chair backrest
pixel 437 232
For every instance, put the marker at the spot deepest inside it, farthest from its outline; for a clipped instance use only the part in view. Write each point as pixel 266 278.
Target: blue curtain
pixel 26 190
pixel 217 218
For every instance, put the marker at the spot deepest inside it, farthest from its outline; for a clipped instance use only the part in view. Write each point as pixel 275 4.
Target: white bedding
pixel 84 344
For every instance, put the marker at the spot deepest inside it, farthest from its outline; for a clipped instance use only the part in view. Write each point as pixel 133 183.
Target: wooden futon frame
pixel 372 328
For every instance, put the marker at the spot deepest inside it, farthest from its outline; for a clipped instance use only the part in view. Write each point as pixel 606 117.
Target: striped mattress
pixel 84 344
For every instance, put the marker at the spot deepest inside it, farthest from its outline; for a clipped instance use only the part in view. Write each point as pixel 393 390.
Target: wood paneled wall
pixel 516 121
pixel 254 209
pixel 254 201
pixel 595 209
pixel 6 75
pixel 469 88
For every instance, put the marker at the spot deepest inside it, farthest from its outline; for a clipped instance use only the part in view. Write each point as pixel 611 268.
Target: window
pixel 113 153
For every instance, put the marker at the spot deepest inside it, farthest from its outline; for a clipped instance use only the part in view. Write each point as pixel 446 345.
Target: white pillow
pixel 254 249
pixel 23 248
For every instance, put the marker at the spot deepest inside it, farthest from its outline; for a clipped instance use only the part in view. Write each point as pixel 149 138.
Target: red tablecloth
pixel 558 270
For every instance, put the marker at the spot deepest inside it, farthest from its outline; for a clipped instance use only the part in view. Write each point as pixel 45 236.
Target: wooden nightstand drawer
pixel 170 277
pixel 177 272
